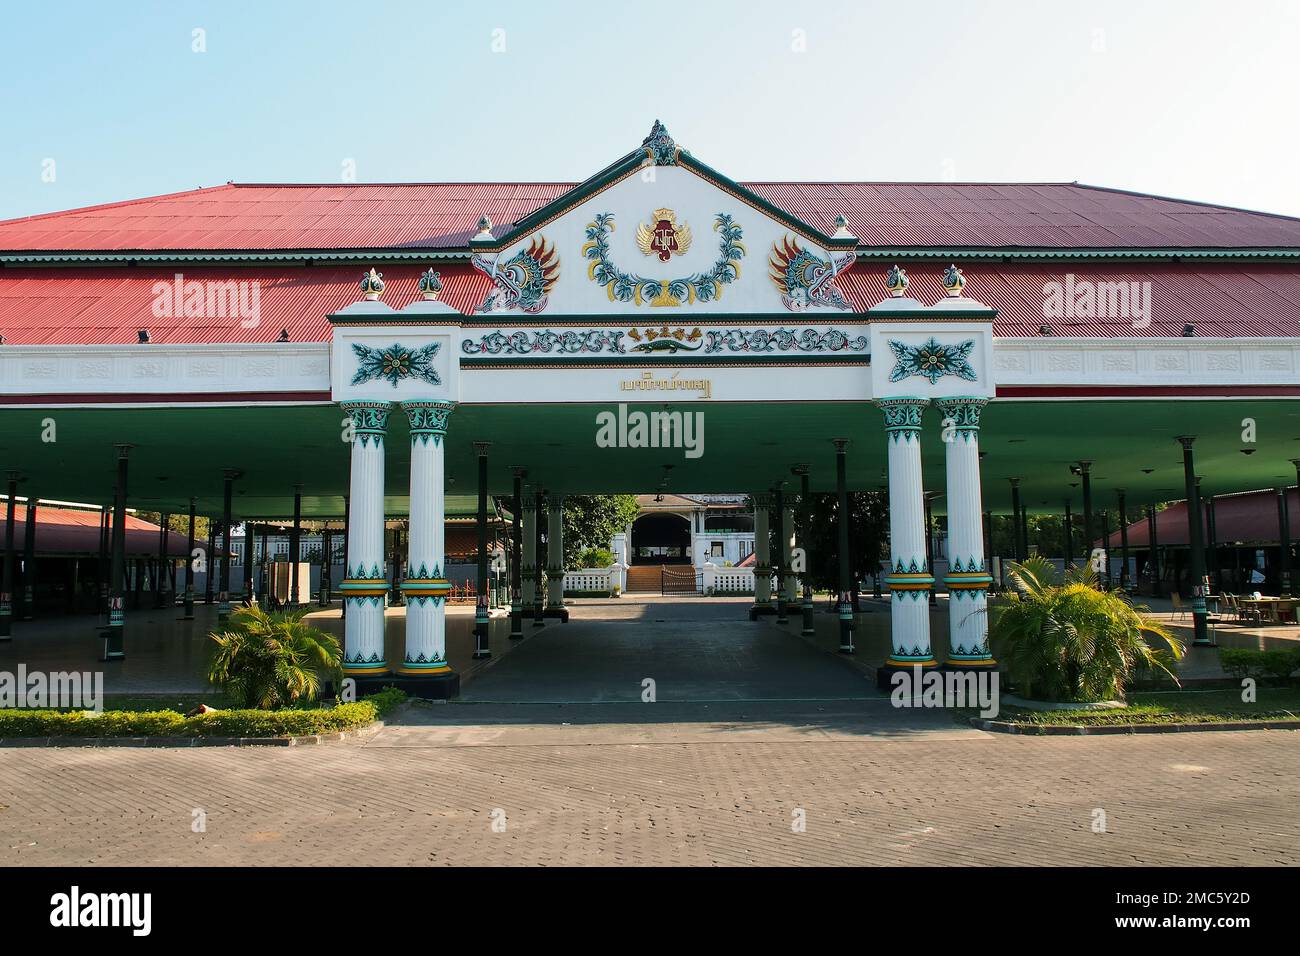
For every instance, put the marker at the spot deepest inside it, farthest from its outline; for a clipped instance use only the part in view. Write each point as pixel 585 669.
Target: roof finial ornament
pixel 842 228
pixel 372 285
pixel 484 229
pixel 430 284
pixel 896 282
pixel 659 146
pixel 953 281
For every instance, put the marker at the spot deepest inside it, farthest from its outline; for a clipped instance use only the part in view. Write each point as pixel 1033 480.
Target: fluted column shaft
pixel 968 579
pixel 530 552
pixel 762 553
pixel 365 586
pixel 555 554
pixel 425 588
pixel 909 577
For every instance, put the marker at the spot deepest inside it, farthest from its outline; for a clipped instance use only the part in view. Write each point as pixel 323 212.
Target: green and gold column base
pixel 895 663
pixel 970 664
pixel 759 609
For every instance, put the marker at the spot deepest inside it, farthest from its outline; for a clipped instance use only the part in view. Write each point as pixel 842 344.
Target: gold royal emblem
pixel 663 236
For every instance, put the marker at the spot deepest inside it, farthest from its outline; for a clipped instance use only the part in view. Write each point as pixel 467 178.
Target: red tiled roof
pixel 86 305
pixel 62 531
pixel 445 215
pixel 1250 519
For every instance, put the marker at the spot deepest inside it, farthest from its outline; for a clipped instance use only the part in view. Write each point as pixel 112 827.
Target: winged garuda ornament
pixel 664 237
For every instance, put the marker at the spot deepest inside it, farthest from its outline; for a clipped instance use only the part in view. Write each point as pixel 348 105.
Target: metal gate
pixel 680 580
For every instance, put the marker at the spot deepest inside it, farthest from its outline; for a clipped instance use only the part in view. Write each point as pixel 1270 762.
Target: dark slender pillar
pixel 1016 539
pixel 7 585
pixel 210 561
pixel 1089 534
pixel 842 496
pixel 805 526
pixel 250 552
pixel 516 556
pixel 1069 534
pixel 188 614
pixel 295 547
pixel 539 573
pixel 1197 538
pixel 105 525
pixel 1212 552
pixel 1284 540
pixel 1152 533
pixel 115 635
pixel 1123 540
pixel 782 537
pixel 29 563
pixel 227 522
pixel 481 621
pixel 159 595
pixel 326 550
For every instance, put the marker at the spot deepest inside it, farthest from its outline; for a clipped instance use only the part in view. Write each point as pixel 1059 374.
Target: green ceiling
pixel 182 451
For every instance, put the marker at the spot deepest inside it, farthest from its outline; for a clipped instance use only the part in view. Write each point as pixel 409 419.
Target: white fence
pixel 611 578
pixel 730 580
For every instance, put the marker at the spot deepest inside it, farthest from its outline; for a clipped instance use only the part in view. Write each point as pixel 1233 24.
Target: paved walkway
pixel 716 772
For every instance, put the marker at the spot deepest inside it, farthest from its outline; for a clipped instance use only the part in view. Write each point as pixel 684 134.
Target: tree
pixel 179 523
pixel 817 531
pixel 590 521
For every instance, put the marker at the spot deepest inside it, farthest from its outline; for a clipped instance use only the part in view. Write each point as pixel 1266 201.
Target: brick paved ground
pixel 676 782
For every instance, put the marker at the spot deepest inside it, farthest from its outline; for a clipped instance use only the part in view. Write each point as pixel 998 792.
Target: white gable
pixel 585 269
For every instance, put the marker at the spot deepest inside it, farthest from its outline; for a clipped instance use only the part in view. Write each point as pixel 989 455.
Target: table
pixel 1274 607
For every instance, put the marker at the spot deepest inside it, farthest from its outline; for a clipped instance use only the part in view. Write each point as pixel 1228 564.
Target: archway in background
pixel 661 539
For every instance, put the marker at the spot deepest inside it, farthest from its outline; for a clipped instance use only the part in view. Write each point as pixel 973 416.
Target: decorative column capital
pixel 123 450
pixel 1085 465
pixel 369 420
pixel 1185 440
pixel 481 448
pixel 428 419
pixel 841 444
pixel 902 415
pixel 762 501
pixel 961 412
pixel 799 470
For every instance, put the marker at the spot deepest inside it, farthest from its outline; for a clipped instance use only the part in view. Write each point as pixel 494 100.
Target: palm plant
pixel 272 660
pixel 1073 641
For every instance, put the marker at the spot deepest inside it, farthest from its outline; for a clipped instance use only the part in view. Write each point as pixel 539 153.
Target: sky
pixel 113 101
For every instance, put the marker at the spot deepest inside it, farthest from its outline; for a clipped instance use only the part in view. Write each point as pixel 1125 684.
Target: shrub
pixel 595 558
pixel 272 660
pixel 1245 662
pixel 1073 641
pixel 219 723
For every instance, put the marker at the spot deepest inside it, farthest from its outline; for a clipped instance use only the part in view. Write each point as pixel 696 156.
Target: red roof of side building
pixel 69 531
pixel 1250 519
pixel 444 216
pixel 86 305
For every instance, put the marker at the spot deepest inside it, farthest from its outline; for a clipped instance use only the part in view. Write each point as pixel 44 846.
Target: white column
pixel 968 579
pixel 762 554
pixel 909 577
pixel 555 554
pixel 528 569
pixel 365 585
pixel 425 588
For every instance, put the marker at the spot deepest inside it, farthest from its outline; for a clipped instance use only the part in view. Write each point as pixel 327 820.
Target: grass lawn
pixel 1175 707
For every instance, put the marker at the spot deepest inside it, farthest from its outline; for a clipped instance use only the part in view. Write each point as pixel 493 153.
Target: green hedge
pixel 222 723
pixel 1244 662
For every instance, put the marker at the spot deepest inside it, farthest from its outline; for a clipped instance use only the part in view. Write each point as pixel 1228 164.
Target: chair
pixel 1179 607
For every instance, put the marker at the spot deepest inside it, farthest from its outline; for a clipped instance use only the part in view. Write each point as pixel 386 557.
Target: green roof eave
pixel 234 255
pixel 992 252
